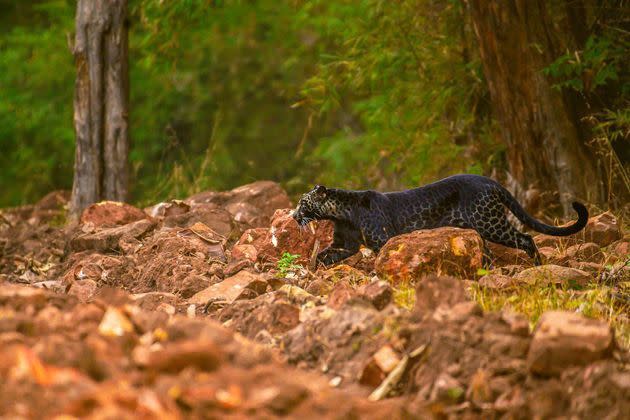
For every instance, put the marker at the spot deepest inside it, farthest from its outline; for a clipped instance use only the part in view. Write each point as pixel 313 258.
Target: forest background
pixel 357 94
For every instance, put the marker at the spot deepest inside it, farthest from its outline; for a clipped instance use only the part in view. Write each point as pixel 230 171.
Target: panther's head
pixel 312 206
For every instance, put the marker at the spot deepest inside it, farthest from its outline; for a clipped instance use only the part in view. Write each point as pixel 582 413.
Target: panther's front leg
pixel 333 255
pixel 345 244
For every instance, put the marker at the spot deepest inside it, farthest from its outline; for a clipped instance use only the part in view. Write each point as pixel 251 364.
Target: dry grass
pixel 598 301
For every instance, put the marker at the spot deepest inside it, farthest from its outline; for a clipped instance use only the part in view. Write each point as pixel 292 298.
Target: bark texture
pixel 546 148
pixel 101 103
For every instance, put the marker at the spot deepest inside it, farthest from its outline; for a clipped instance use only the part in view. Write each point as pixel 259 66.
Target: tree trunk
pixel 101 103
pixel 545 146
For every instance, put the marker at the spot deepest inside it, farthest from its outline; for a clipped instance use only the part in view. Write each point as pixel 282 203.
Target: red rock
pixel 84 290
pixel 95 267
pixel 379 293
pixel 479 390
pixel 386 358
pixel 503 255
pixel 115 323
pixel 243 284
pixel 55 200
pixel 588 252
pixel 217 219
pixel 554 274
pixel 564 339
pixel 202 355
pixel 620 249
pixel 447 250
pixel 287 397
pixel 318 287
pixel 180 261
pixel 111 213
pixel 22 296
pixel 497 281
pixel 271 313
pixel 371 375
pixel 459 312
pixel 340 294
pixel 107 239
pixel 245 252
pixel 519 324
pixel 235 266
pixel 168 208
pixel 345 273
pixel 602 229
pixel 433 291
pixel 285 235
pixel 251 205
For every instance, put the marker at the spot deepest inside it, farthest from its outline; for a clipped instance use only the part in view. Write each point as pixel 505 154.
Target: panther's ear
pixel 320 190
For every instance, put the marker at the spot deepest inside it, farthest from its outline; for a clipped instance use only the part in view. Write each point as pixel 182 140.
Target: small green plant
pixel 286 264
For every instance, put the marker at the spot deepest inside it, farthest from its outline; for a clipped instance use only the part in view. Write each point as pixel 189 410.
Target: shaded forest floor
pixel 211 307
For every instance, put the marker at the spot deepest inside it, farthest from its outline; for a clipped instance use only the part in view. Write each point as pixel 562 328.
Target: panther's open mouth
pixel 301 219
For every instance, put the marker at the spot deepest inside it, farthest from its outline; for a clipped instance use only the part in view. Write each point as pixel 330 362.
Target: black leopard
pixel 465 201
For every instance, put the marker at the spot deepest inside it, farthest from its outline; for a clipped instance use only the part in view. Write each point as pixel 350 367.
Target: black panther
pixel 465 201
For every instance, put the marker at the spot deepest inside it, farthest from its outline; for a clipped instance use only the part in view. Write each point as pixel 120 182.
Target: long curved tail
pixel 510 202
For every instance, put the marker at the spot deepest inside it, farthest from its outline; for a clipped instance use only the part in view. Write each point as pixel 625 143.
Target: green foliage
pixel 600 62
pixel 36 81
pixel 226 92
pixel 398 76
pixel 351 93
pixel 286 264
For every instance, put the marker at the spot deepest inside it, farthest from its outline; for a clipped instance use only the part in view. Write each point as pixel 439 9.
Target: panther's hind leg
pixel 492 225
pixel 488 256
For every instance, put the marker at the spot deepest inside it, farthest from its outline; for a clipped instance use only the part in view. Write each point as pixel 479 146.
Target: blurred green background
pixel 378 93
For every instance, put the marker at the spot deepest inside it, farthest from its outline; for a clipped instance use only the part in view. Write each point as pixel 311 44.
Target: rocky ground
pixel 193 309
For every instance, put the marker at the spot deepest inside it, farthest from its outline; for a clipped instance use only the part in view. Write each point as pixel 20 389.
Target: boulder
pixel 602 229
pixel 564 339
pixel 167 209
pixel 554 274
pixel 101 269
pixel 245 252
pixel 250 205
pixel 588 252
pixel 620 250
pixel 340 294
pixel 378 366
pixel 202 355
pixel 108 239
pixel 54 200
pixel 111 213
pixel 242 285
pixel 269 312
pixel 284 235
pixel 497 281
pixel 343 272
pixel 219 220
pixel 503 255
pixel 379 293
pixel 446 250
pixel 83 290
pixel 150 301
pixel 433 291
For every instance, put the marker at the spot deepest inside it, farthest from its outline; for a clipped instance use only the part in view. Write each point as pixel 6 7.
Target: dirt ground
pixel 192 309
